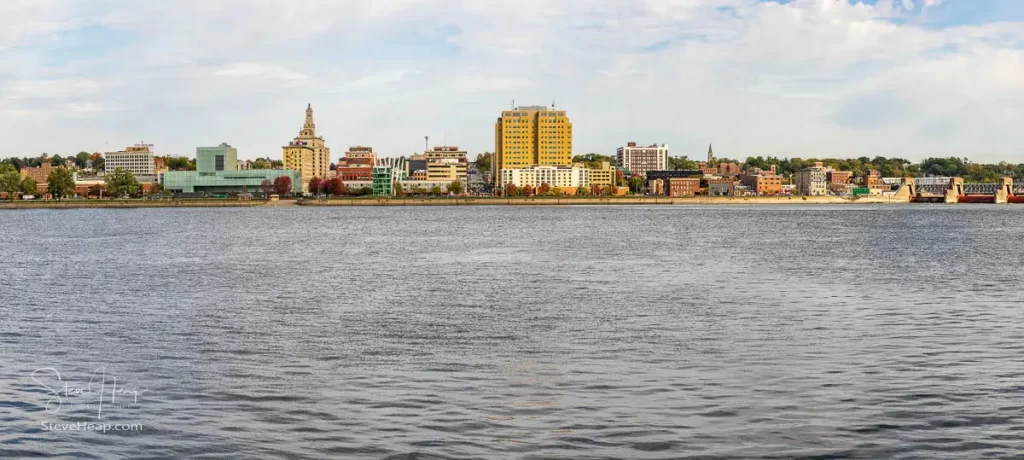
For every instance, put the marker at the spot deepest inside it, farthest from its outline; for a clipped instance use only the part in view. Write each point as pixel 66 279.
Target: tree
pixel 314 185
pixel 528 190
pixel 96 190
pixel 399 190
pixel 29 186
pixel 99 164
pixel 483 162
pixel 267 186
pixel 637 184
pixel 581 191
pixel 620 178
pixel 435 190
pixel 336 186
pixel 511 190
pixel 60 182
pixel 455 187
pixel 283 185
pixel 121 183
pixel 593 160
pixel 10 180
pixel 681 163
pixel 544 189
pixel 595 189
pixel 82 159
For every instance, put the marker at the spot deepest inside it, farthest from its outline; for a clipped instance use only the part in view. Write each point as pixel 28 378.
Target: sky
pixel 793 78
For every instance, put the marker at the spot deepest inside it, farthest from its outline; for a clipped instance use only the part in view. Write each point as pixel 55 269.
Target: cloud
pixel 799 77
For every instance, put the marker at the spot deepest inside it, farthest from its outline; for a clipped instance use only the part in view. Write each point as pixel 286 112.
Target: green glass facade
pixel 226 181
pixel 212 159
pixel 383 181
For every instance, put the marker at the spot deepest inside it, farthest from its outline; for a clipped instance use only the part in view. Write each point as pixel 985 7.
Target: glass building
pixel 217 172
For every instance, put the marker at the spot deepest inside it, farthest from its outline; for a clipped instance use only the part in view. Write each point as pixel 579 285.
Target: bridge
pixel 957 191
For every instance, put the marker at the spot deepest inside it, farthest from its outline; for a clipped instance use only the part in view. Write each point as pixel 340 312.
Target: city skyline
pixel 804 78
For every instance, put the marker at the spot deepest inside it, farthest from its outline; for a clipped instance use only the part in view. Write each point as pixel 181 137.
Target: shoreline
pixel 446 201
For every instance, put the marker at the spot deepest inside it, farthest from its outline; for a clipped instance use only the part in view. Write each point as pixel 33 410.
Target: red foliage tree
pixel 511 190
pixel 267 186
pixel 336 186
pixel 528 190
pixel 314 185
pixel 544 189
pixel 283 185
pixel 620 177
pixel 595 189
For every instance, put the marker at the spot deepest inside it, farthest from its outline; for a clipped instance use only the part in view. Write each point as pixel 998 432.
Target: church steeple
pixel 711 155
pixel 309 128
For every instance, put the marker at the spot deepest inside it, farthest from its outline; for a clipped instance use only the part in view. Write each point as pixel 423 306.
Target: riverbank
pixel 571 201
pixel 84 204
pixel 450 201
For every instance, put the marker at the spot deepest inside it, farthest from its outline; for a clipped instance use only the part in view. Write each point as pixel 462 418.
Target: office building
pixel 638 159
pixel 307 153
pixel 137 158
pixel 357 164
pixel 446 163
pixel 605 175
pixel 531 136
pixel 553 176
pixel 812 181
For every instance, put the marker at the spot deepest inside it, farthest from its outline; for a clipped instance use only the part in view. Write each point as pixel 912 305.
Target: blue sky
pixel 910 78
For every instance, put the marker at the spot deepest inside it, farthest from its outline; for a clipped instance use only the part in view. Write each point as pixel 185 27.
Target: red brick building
pixel 682 186
pixel 764 184
pixel 39 175
pixel 357 164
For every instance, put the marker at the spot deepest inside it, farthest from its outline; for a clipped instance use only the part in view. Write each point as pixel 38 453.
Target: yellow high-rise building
pixel 532 136
pixel 307 153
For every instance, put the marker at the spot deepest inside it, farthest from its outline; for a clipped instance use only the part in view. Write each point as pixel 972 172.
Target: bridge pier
pixel 956 189
pixel 907 190
pixel 1005 191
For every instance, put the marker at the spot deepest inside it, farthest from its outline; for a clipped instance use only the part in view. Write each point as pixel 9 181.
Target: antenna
pixel 513 104
pixel 552 104
pixel 426 144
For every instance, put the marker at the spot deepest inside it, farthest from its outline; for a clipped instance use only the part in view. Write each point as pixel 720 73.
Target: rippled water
pixel 582 332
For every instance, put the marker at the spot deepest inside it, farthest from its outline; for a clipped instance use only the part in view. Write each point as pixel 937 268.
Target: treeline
pixel 95 161
pixel 898 167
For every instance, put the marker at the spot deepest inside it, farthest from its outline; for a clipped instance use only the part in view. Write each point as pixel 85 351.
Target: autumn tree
pixel 283 185
pixel 267 186
pixel 511 190
pixel 314 185
pixel 543 189
pixel 528 190
pixel 336 186
pixel 595 189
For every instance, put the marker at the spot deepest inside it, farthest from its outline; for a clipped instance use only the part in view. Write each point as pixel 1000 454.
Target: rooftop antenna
pixel 426 143
pixel 552 104
pixel 513 104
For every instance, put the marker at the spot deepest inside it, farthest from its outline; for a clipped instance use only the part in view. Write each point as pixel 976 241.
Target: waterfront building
pixel 839 181
pixel 721 187
pixel 531 136
pixel 446 163
pixel 220 158
pixel 386 173
pixel 638 160
pixel 159 166
pixel 357 164
pixel 682 187
pixel 137 158
pixel 217 172
pixel 39 174
pixel 729 169
pixel 812 181
pixel 553 176
pixel 873 179
pixel 417 163
pixel 307 153
pixel 605 175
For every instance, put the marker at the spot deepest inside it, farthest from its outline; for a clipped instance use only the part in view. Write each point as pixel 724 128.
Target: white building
pixel 138 159
pixel 554 176
pixel 812 181
pixel 638 160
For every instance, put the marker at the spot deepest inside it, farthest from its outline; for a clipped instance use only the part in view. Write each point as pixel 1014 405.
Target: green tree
pixel 29 186
pixel 435 190
pixel 60 183
pixel 99 164
pixel 399 190
pixel 483 162
pixel 10 180
pixel 121 183
pixel 581 191
pixel 82 159
pixel 681 163
pixel 455 187
pixel 637 184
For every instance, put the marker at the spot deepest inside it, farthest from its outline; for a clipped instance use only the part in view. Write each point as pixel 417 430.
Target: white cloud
pixel 804 78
